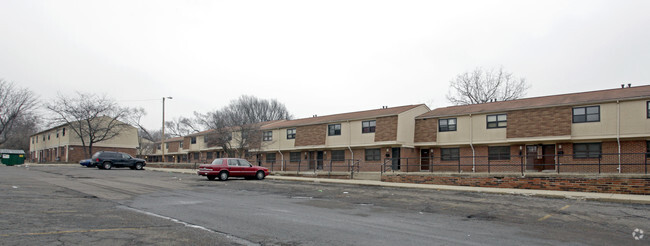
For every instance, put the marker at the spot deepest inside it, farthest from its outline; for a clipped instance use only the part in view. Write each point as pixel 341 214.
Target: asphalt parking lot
pixel 59 205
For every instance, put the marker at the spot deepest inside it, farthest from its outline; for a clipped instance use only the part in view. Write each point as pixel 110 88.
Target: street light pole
pixel 162 143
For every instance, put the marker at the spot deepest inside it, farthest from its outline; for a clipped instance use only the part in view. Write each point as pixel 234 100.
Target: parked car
pixel 110 159
pixel 86 163
pixel 223 168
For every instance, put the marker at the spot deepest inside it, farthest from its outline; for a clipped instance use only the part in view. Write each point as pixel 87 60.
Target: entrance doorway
pixel 540 157
pixel 396 165
pixel 424 159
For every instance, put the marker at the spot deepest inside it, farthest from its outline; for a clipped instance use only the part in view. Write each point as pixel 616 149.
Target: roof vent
pixel 622 85
pixel 629 85
pixel 315 116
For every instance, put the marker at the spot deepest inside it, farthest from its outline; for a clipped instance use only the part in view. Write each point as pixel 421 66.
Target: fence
pixel 314 165
pixel 585 163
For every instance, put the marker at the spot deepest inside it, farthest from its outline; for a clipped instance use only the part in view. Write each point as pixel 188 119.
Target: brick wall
pixel 555 121
pixel 310 135
pixel 186 142
pixel 426 130
pixel 173 147
pixel 386 129
pixel 618 185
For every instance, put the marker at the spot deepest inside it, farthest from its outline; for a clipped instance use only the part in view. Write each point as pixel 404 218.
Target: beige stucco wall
pixel 460 136
pixel 406 124
pixel 128 138
pixel 633 122
pixel 481 134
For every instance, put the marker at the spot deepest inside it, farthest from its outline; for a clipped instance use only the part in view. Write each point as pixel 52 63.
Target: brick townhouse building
pixel 333 141
pixel 174 151
pixel 62 144
pixel 610 128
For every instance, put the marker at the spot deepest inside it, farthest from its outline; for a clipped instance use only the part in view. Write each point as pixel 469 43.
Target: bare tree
pixel 146 138
pixel 236 127
pixel 14 102
pixel 181 126
pixel 481 86
pixel 92 118
pixel 23 127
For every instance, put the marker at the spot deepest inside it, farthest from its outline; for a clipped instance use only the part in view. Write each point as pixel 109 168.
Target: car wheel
pixel 107 165
pixel 138 166
pixel 259 175
pixel 223 176
pixel 211 177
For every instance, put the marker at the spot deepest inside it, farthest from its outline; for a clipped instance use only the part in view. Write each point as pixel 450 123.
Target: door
pixel 234 168
pixel 396 165
pixel 319 160
pixel 540 157
pixel 424 159
pixel 310 160
pixel 548 158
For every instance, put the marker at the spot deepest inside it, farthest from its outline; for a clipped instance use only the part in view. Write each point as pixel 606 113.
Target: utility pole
pixel 162 142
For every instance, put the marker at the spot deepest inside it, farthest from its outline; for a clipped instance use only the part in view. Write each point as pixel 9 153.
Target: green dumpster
pixel 12 157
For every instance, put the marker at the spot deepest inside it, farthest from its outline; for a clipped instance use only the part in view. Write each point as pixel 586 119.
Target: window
pixel 233 162
pixel 587 150
pixel 373 154
pixel 193 140
pixel 499 153
pixel 64 132
pixel 368 126
pixel 208 155
pixel 32 139
pixel 48 136
pixel 338 155
pixel 450 154
pixel 57 134
pixel 291 133
pixel 294 156
pixel 586 114
pixel 270 158
pixel 43 137
pixel 648 109
pixel 181 145
pixel 497 121
pixel 334 130
pixel 647 150
pixel 447 125
pixel 268 136
pixel 166 145
pixel 196 156
pixel 205 139
pixel 157 146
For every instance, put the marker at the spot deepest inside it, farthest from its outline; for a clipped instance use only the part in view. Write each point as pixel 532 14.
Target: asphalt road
pixel 57 205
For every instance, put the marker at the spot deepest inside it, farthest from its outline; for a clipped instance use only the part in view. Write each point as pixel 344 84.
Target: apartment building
pixel 323 142
pixel 62 144
pixel 607 129
pixel 174 151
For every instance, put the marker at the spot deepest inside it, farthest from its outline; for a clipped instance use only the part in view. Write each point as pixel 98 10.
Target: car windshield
pixel 96 155
pixel 217 162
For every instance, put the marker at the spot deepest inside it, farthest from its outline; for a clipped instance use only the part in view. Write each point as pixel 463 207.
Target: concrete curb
pixel 589 196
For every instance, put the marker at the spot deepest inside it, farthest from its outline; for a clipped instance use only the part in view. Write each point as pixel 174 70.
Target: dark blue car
pixel 87 163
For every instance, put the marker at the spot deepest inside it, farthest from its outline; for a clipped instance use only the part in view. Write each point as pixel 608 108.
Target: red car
pixel 223 168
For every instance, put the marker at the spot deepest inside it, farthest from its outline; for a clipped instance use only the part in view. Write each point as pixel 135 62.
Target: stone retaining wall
pixel 623 184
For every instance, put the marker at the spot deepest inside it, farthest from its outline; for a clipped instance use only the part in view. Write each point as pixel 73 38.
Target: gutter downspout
pixel 471 136
pixel 282 159
pixel 618 133
pixel 280 148
pixel 350 142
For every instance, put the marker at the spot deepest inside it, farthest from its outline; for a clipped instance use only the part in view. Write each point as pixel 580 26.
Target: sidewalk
pixel 603 197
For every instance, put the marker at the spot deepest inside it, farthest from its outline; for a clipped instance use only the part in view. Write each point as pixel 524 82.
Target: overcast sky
pixel 317 57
